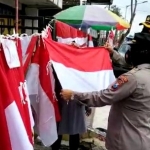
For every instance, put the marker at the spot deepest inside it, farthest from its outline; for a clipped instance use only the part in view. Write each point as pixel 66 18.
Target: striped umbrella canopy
pixel 92 16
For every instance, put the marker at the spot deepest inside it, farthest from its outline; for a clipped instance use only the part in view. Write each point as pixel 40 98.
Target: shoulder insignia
pixel 119 82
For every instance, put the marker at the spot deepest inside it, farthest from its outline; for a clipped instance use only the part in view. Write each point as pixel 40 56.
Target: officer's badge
pixel 119 82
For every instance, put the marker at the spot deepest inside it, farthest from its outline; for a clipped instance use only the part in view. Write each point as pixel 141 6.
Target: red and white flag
pixel 81 70
pixel 111 38
pixel 67 34
pixel 16 119
pixel 41 90
pixel 28 46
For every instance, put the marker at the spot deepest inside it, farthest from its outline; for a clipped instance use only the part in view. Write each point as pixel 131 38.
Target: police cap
pixel 147 22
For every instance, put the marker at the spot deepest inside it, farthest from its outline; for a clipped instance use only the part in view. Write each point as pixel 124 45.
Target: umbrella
pixel 93 16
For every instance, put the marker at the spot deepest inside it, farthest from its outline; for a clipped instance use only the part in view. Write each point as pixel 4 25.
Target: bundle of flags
pixel 77 69
pixel 17 123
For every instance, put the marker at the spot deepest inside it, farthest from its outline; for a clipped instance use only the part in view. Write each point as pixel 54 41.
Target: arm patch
pixel 119 82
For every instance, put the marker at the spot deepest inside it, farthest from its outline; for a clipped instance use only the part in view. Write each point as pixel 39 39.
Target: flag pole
pixel 17 8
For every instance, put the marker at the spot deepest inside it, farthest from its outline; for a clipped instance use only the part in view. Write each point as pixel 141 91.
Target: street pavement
pixel 39 147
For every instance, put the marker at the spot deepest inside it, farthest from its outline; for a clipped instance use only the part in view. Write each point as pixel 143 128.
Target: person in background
pixel 129 96
pixel 74 44
pixel 117 57
pixel 74 140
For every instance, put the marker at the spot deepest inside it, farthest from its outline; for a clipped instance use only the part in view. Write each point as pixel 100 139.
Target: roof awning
pixel 77 2
pixel 43 3
pixel 102 2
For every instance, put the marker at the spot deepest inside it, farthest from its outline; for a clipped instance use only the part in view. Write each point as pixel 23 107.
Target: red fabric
pixel 19 72
pixel 12 80
pixel 79 58
pixel 65 31
pixel 6 99
pixel 120 27
pixel 29 52
pixel 42 58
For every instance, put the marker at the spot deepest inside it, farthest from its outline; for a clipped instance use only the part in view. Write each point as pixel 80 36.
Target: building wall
pixel 7 7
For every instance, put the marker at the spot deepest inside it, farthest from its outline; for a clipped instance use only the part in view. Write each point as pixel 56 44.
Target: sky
pixel 142 11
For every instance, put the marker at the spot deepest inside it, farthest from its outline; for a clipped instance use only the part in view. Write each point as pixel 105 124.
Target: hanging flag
pixel 28 46
pixel 41 90
pixel 83 71
pixel 13 132
pixel 16 120
pixel 111 38
pixel 67 34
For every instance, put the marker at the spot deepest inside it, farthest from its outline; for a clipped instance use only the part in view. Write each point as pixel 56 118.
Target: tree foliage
pixel 133 13
pixel 116 10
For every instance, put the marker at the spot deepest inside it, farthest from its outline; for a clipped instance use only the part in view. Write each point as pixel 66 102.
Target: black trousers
pixel 74 142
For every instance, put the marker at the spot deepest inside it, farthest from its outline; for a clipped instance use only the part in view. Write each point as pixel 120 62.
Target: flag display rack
pixel 34 51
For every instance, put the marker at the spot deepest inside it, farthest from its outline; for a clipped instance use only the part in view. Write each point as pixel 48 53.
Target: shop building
pixel 29 20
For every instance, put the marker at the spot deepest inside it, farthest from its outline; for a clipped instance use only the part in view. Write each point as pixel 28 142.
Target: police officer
pixel 129 96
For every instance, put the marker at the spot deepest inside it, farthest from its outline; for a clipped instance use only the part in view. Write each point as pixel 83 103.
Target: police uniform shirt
pixel 129 119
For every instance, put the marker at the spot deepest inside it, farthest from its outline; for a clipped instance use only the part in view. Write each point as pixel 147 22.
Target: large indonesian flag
pixel 67 34
pixel 82 70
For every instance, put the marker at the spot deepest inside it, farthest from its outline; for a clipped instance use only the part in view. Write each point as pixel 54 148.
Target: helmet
pixel 139 50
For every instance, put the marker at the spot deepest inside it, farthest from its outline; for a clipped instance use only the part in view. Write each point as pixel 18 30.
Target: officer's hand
pixel 66 94
pixel 108 47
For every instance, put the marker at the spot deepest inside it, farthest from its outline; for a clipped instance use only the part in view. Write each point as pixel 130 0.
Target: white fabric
pixel 10 52
pixel 78 40
pixel 29 105
pixel 90 81
pixel 25 41
pixel 46 123
pixel 91 44
pixel 15 127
